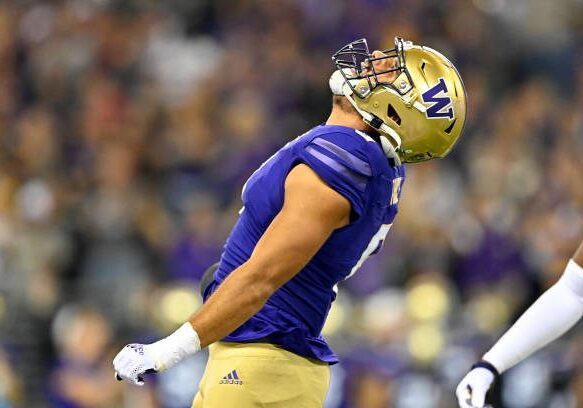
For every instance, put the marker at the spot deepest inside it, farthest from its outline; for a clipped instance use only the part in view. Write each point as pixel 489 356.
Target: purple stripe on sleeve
pixel 357 179
pixel 358 165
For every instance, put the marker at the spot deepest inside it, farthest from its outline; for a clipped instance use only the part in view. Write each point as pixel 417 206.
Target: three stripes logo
pixel 231 378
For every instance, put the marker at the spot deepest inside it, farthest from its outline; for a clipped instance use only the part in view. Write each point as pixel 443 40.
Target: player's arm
pixel 549 317
pixel 311 212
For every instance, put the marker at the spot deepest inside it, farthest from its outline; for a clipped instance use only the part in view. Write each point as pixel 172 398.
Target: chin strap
pixel 389 146
pixel 389 150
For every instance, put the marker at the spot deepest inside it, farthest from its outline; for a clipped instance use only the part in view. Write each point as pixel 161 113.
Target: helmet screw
pixel 375 104
pixel 403 85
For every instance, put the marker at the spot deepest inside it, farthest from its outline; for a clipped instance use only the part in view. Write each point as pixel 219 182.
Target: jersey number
pixel 375 244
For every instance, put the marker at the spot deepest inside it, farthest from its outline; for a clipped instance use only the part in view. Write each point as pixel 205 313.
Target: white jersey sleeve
pixel 555 312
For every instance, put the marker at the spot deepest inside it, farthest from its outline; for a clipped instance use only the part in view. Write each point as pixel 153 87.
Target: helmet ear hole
pixel 392 113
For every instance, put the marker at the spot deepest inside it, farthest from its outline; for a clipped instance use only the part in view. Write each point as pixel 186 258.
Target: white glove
pixel 471 391
pixel 135 360
pixel 132 362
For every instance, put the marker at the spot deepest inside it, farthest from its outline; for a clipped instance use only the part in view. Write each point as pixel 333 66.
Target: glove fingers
pixel 119 358
pixel 127 368
pixel 463 402
pixel 478 399
pixel 471 391
pixel 122 360
pixel 463 397
pixel 131 363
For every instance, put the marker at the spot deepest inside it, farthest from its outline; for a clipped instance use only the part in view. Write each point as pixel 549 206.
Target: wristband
pixel 171 350
pixel 488 366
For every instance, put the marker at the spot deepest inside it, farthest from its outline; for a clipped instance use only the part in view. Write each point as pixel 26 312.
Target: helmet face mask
pixel 418 101
pixel 355 62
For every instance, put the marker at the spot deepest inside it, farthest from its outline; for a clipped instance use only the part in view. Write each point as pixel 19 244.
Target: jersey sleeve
pixel 342 165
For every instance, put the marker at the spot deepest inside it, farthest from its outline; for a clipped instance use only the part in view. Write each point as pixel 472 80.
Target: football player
pixel 312 214
pixel 549 317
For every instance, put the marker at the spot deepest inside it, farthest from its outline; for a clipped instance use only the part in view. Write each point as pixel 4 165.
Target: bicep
pixel 311 212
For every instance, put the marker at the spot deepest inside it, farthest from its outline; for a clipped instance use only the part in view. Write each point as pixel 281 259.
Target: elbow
pixel 261 280
pixel 260 286
pixel 260 291
pixel 257 289
pixel 254 297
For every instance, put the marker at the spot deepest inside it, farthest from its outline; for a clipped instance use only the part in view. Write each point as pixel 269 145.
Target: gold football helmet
pixel 421 110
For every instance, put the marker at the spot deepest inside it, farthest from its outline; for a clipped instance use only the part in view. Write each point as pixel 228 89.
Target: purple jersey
pixel 354 165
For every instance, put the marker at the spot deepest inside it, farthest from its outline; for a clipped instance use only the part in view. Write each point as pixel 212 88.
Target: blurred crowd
pixel 127 129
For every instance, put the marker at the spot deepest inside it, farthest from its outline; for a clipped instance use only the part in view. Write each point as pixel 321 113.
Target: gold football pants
pixel 246 375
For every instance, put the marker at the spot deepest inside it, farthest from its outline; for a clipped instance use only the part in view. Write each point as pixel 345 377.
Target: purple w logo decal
pixel 439 107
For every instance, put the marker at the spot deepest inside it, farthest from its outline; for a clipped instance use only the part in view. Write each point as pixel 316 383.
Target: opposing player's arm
pixel 549 317
pixel 310 213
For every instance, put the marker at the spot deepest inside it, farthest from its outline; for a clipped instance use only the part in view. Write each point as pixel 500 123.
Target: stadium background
pixel 128 128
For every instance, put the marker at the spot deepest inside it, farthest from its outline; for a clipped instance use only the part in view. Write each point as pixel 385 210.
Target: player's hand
pixel 135 360
pixel 132 362
pixel 471 391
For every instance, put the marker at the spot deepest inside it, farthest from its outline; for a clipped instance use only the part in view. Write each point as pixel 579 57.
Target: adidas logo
pixel 231 378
